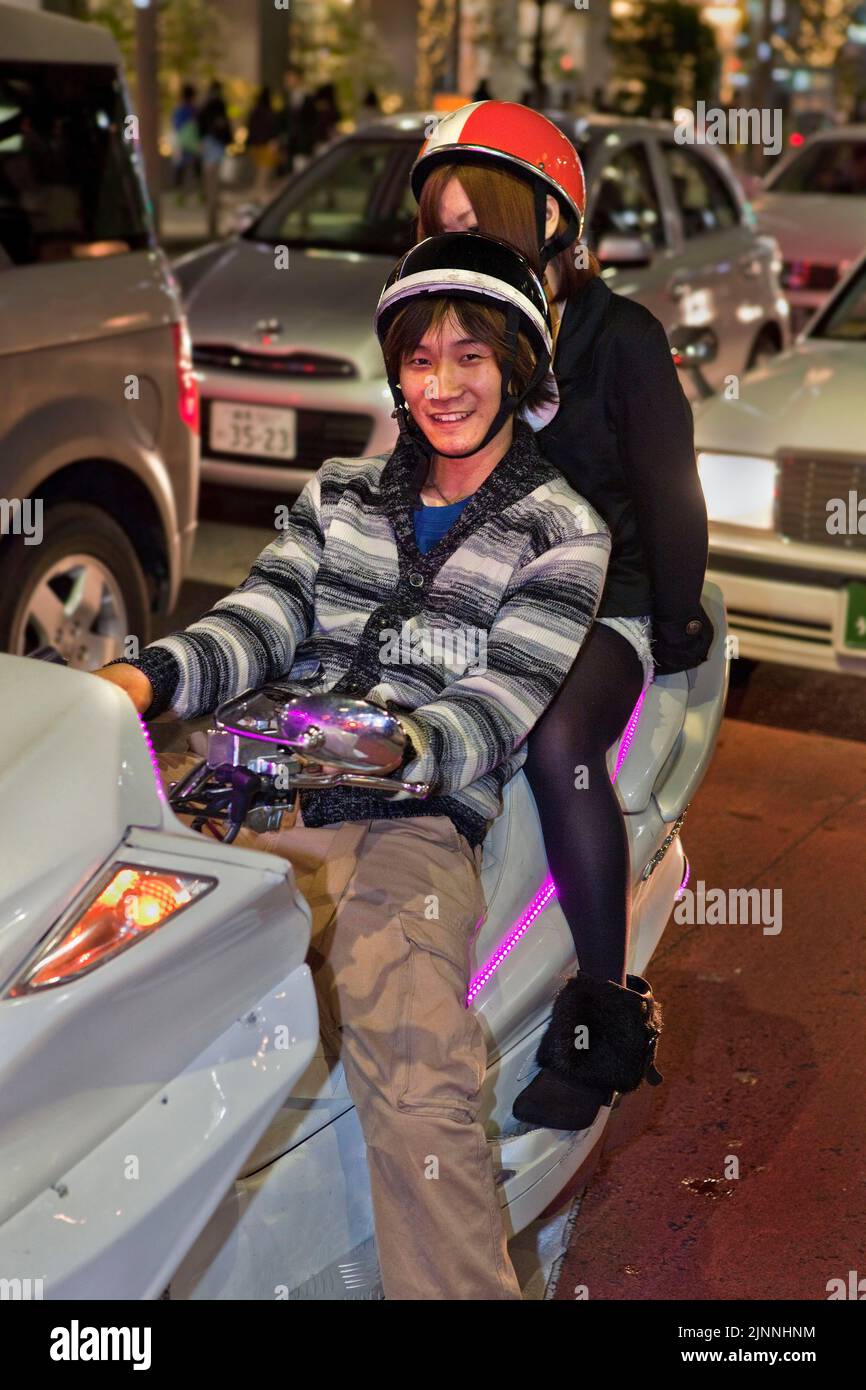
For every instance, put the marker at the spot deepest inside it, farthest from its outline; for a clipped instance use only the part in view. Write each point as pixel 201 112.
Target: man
pixel 464 530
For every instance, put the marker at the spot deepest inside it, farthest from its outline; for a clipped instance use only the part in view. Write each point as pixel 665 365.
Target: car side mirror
pixel 617 250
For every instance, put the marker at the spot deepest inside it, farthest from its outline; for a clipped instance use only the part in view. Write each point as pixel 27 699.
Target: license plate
pixel 260 430
pixel 855 618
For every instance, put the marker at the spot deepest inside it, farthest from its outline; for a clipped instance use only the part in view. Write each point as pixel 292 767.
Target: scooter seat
pixel 662 756
pixel 660 720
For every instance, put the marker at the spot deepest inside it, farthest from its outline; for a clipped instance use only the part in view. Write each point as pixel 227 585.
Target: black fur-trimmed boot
pixel 580 1074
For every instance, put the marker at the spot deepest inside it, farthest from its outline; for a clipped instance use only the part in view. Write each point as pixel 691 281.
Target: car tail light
pixel 128 904
pixel 809 275
pixel 187 386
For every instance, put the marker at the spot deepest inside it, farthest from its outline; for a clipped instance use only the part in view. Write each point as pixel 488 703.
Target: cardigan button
pixel 694 627
pixel 416 580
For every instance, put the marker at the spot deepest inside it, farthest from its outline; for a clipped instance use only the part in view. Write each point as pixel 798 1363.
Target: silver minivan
pixel 99 463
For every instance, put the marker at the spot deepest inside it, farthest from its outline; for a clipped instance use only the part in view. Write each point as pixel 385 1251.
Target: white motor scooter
pixel 169 1121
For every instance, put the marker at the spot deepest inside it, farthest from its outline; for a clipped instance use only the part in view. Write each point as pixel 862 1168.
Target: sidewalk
pixel 183 223
pixel 762 1052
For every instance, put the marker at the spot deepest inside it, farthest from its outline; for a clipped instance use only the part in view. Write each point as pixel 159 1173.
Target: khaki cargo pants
pixel 394 906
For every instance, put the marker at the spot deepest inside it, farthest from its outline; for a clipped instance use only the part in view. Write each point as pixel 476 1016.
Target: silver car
pixel 280 316
pixel 98 413
pixel 814 204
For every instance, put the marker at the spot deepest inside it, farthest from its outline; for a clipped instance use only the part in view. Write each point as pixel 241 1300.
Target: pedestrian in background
pixel 186 142
pixel 291 137
pixel 216 135
pixel 370 107
pixel 263 128
pixel 326 113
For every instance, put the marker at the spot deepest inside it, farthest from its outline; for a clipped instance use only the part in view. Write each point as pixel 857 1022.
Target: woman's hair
pixel 505 208
pixel 482 323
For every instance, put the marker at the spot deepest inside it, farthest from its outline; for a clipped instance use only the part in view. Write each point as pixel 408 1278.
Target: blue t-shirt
pixel 431 523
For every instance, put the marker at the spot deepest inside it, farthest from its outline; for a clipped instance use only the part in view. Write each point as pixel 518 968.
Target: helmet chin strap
pixel 411 430
pixel 549 249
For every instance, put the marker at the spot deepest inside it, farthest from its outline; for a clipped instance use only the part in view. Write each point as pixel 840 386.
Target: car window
pixel 68 188
pixel 704 203
pixel 624 201
pixel 828 166
pixel 347 199
pixel 845 320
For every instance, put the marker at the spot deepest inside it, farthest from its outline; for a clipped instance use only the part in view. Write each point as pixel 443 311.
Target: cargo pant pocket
pixel 440 1053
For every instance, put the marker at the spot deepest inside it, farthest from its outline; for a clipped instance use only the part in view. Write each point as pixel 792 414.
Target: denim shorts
pixel 637 631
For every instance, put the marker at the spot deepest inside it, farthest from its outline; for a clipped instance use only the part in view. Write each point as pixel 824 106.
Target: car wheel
pixel 766 345
pixel 81 589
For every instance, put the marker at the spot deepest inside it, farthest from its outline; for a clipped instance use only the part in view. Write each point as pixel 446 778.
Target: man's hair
pixel 505 208
pixel 481 322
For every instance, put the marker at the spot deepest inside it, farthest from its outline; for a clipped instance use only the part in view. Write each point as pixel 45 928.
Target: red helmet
pixel 512 137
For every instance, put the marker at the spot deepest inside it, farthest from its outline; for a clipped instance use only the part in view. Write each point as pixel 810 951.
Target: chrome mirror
pixel 338 731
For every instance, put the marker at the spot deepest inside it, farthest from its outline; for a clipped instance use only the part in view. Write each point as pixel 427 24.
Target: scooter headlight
pixel 128 903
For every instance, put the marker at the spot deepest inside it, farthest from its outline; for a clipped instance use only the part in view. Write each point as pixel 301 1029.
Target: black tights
pixel 584 831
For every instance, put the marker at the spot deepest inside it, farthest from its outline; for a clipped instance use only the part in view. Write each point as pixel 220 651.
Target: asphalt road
pixel 743 1176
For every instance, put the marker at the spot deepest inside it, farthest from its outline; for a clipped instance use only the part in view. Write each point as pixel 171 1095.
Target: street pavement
pixel 762 1053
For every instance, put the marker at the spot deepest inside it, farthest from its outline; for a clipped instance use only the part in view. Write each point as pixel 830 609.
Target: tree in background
pixel 820 33
pixel 190 43
pixel 665 56
pixel 812 34
pixel 436 19
pixel 335 42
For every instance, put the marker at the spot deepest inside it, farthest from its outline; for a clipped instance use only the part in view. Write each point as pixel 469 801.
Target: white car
pixel 814 204
pixel 784 474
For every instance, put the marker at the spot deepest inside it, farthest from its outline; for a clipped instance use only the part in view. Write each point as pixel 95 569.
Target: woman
pixel 263 128
pixel 216 133
pixel 623 437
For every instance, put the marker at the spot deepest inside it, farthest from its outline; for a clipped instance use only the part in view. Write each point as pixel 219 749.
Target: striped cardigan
pixel 468 644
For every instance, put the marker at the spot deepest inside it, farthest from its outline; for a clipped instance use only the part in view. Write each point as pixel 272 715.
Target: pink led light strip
pixel 628 735
pixel 160 791
pixel 521 926
pixel 547 891
pixel 682 886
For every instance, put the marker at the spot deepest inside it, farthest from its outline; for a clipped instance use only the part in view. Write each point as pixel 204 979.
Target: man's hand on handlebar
pixel 130 679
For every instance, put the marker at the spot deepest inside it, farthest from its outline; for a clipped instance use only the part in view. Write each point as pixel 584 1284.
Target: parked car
pixel 814 204
pixel 289 367
pixel 784 474
pixel 99 408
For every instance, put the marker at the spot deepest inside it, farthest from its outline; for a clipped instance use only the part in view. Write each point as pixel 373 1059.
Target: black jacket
pixel 624 437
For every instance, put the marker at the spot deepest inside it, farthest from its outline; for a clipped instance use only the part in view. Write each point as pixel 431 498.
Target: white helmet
pixel 463 265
